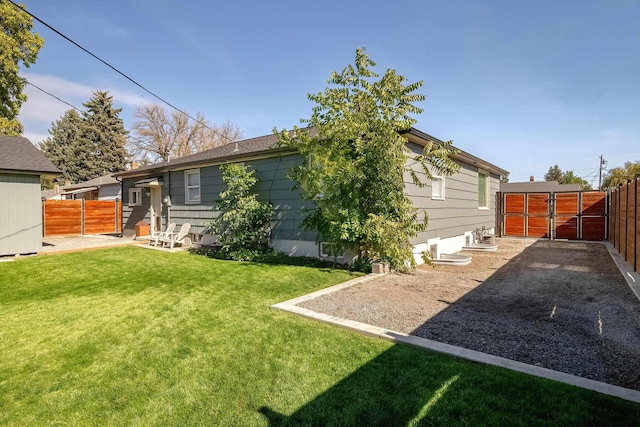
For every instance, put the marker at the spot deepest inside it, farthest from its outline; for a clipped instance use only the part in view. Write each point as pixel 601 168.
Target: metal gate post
pixel 635 226
pixel 552 215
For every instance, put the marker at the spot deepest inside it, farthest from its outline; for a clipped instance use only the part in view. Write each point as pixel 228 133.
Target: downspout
pixel 121 204
pixel 169 197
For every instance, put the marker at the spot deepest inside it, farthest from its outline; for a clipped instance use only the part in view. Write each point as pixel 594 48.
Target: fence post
pixel 82 216
pixel 619 219
pixel 44 223
pixel 635 226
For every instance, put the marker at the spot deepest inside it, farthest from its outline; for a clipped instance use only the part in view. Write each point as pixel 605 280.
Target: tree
pixel 620 175
pixel 90 145
pixel 553 174
pixel 354 175
pixel 160 135
pixel 18 44
pixel 243 222
pixel 65 148
pixel 105 135
pixel 568 177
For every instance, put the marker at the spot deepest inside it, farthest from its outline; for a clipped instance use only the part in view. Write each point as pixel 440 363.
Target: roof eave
pixel 135 173
pixel 29 172
pixel 421 138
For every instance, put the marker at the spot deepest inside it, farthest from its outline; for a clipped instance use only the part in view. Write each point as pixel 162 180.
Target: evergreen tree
pixel 553 174
pixel 105 136
pixel 357 162
pixel 88 146
pixel 65 148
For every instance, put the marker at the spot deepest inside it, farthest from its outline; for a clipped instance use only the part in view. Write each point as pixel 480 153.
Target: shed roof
pixel 267 144
pixel 18 154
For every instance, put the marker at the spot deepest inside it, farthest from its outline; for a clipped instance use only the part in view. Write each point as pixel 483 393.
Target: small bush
pixel 243 222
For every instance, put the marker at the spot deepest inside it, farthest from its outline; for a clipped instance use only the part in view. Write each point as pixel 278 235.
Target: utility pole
pixel 603 162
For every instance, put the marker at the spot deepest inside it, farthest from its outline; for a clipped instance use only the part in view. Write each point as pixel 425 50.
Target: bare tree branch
pixel 160 136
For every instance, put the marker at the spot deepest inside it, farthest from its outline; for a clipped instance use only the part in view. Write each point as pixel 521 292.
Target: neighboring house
pixel 185 190
pixel 53 194
pixel 21 165
pixel 538 187
pixel 105 187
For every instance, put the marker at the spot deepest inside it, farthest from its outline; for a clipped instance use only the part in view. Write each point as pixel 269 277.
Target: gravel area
pixel 560 305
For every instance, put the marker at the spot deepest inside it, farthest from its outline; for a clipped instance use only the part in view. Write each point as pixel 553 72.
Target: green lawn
pixel 129 336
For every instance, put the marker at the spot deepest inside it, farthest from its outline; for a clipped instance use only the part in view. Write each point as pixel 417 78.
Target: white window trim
pixel 138 201
pixel 187 187
pixel 442 195
pixel 487 190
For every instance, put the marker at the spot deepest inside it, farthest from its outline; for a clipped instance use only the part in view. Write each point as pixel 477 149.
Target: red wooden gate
pixel 575 215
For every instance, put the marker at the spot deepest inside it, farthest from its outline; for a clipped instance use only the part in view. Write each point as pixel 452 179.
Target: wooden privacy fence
pixel 624 223
pixel 554 215
pixel 73 217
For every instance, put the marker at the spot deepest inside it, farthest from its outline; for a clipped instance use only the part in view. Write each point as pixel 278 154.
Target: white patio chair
pixel 166 233
pixel 180 238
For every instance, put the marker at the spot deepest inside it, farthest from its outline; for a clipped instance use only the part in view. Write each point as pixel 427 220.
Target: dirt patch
pixel 559 305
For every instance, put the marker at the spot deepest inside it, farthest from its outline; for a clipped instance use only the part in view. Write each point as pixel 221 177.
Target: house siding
pixel 449 219
pixel 132 214
pixel 458 212
pixel 273 185
pixel 20 214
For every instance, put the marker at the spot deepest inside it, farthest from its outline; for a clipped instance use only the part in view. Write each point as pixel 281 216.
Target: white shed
pixel 21 165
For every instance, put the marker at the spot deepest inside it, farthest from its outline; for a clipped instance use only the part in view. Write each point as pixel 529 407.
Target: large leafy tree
pixel 18 45
pixel 357 161
pixel 88 145
pixel 620 175
pixel 160 134
pixel 569 177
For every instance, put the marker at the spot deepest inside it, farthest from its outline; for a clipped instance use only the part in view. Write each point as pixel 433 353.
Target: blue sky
pixel 523 85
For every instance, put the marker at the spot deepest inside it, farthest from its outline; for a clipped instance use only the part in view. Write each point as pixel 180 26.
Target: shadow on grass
pixel 405 386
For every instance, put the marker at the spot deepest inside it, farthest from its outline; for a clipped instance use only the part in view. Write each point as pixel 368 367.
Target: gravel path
pixel 559 305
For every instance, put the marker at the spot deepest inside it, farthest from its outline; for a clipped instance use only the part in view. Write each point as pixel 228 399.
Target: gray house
pixel 104 187
pixel 21 165
pixel 185 189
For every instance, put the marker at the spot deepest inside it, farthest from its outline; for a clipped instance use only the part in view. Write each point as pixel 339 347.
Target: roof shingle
pixel 20 155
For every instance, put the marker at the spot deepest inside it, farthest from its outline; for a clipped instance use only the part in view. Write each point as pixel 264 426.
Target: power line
pixel 118 71
pixel 52 95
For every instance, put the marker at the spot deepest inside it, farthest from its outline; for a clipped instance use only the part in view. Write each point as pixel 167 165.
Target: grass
pixel 128 336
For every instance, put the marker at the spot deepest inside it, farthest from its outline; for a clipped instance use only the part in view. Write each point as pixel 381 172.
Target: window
pixel 325 251
pixel 437 188
pixel 483 190
pixel 135 197
pixel 192 185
